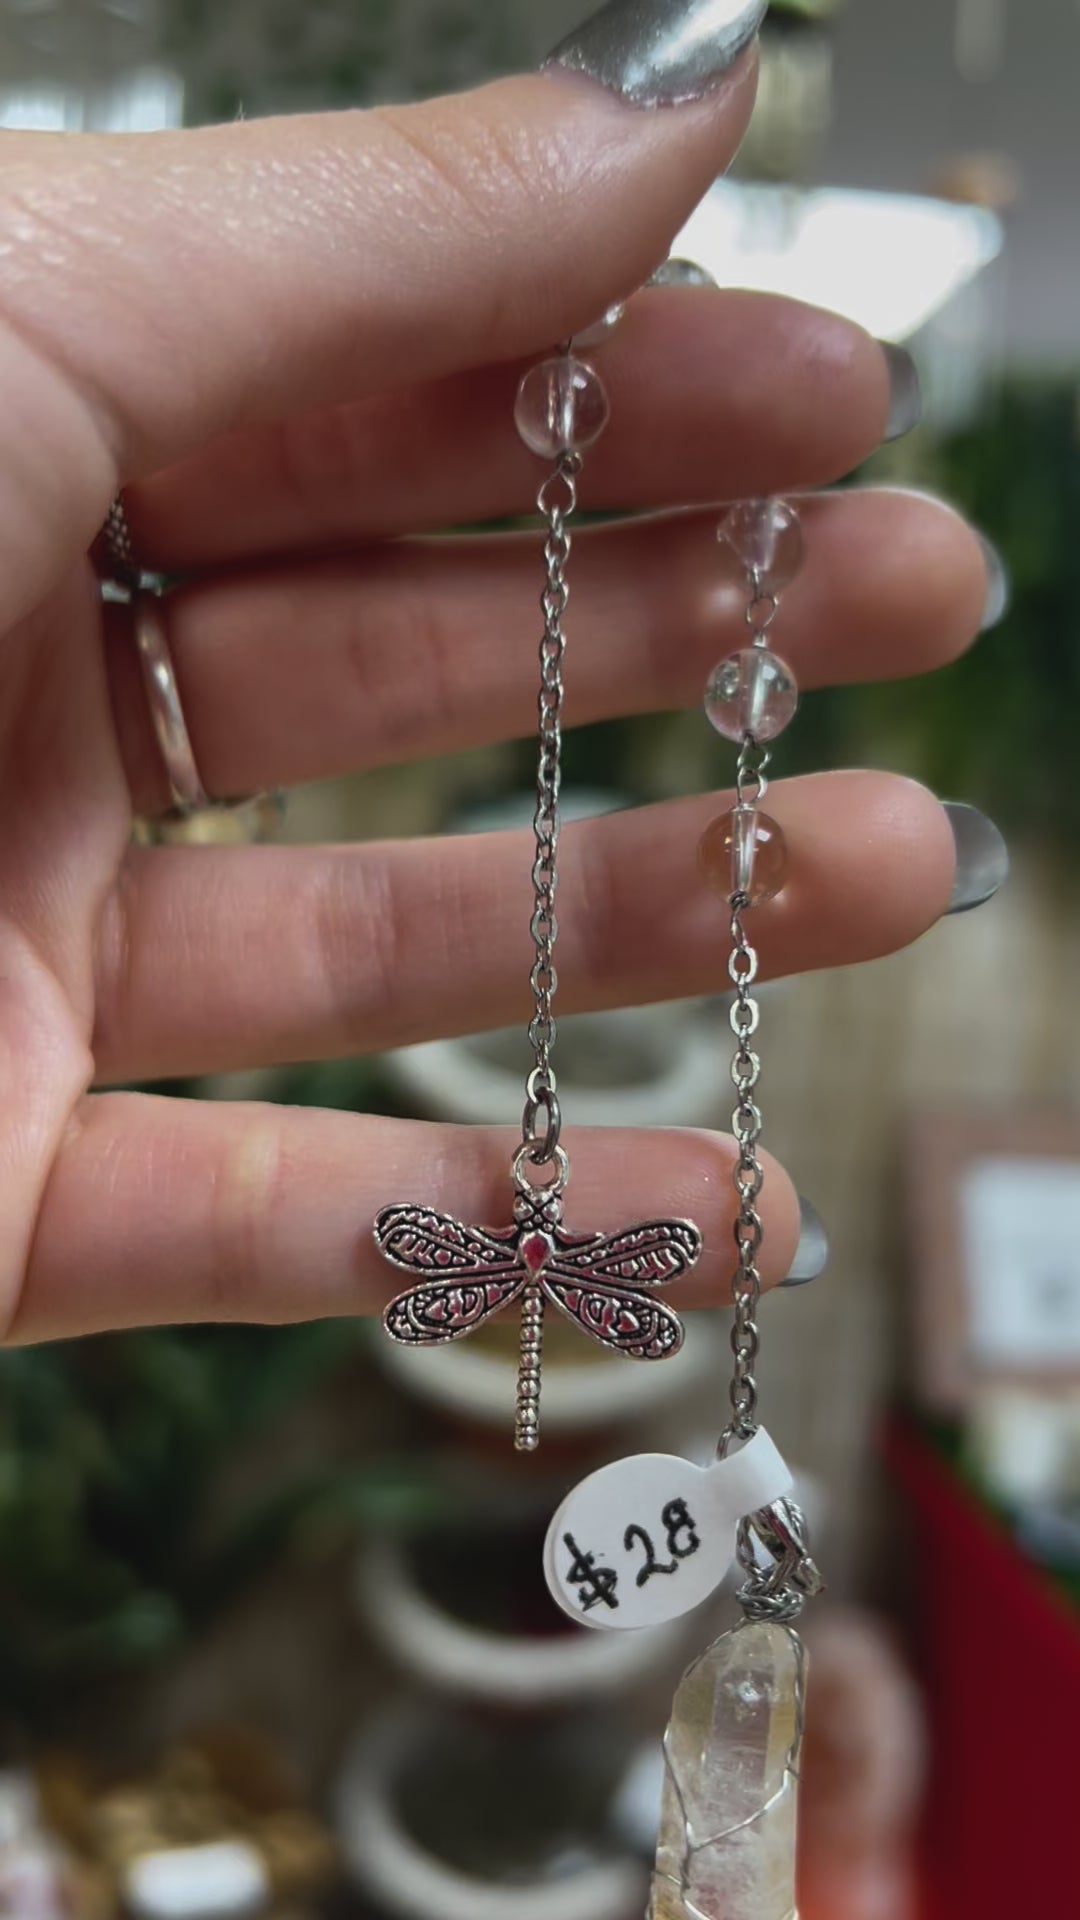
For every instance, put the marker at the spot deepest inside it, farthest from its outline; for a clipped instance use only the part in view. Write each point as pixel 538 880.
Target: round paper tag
pixel 646 1539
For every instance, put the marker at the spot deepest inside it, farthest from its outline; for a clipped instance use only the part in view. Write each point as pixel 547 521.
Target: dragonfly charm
pixel 464 1275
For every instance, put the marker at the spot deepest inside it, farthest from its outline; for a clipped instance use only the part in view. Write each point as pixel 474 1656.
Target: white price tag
pixel 646 1539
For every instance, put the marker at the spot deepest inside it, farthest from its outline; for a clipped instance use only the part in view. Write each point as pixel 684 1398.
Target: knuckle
pixel 247 1187
pixel 112 973
pixel 410 678
pixel 600 952
pixel 469 167
pixel 358 907
pixel 316 456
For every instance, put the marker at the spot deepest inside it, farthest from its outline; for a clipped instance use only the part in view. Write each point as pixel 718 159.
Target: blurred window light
pixel 979 38
pixel 143 101
pixel 888 261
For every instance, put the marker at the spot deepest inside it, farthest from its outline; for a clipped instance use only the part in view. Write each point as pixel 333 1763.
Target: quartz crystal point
pixel 726 1848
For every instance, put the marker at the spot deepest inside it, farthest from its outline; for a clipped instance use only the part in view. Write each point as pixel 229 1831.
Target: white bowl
pixel 501 1669
pixel 388 1865
pixel 653 1066
pixel 473 1383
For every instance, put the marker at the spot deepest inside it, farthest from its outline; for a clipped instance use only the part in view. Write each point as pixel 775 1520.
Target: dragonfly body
pixel 463 1275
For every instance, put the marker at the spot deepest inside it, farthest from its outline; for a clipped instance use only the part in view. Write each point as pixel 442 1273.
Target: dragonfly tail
pixel 527 1416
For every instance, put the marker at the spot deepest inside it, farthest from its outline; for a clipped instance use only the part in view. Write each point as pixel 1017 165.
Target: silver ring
pixel 255 816
pixel 166 711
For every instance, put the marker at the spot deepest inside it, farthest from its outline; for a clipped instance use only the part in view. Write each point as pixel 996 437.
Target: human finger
pixel 320 668
pixel 294 953
pixel 202 280
pixel 160 1211
pixel 714 395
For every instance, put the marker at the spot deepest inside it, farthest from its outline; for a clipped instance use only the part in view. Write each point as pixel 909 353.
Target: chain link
pixel 746 1125
pixel 556 502
pixel 748 1176
pixel 761 610
pixel 751 785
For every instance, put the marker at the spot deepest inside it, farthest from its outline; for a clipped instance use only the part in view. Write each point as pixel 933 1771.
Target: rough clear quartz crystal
pixel 744 852
pixel 767 540
pixel 561 406
pixel 751 692
pixel 726 1848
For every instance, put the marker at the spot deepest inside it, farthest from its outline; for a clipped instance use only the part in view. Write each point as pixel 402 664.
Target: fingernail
pixel 812 1252
pixel 998 585
pixel 982 858
pixel 905 391
pixel 656 53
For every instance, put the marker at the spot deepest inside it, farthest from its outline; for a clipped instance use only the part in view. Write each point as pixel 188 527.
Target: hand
pixel 298 339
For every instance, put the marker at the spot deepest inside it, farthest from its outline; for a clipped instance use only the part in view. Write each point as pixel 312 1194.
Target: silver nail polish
pixel 998 585
pixel 982 858
pixel 658 52
pixel 905 391
pixel 812 1252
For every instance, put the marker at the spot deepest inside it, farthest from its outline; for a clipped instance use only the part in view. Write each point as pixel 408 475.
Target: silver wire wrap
pixel 541 1121
pixel 772 1551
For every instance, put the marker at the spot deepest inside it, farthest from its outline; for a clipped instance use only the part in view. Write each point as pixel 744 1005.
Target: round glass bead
pixel 751 692
pixel 598 332
pixel 744 852
pixel 766 539
pixel 678 272
pixel 561 406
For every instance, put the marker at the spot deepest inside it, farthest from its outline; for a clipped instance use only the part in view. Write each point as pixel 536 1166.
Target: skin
pixel 295 344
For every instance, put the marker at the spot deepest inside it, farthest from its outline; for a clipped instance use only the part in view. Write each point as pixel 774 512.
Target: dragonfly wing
pixel 649 1254
pixel 618 1317
pixel 440 1247
pixel 429 1316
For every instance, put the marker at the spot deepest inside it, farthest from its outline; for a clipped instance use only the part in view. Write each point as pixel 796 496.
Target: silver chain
pixel 746 1125
pixel 771 1543
pixel 556 502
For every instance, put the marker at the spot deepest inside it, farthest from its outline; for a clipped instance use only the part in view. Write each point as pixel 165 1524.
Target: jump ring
pixel 541 1099
pixel 560 1162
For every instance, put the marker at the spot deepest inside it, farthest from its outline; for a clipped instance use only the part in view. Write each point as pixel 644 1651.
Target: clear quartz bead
pixel 678 272
pixel 561 406
pixel 726 1848
pixel 751 692
pixel 766 539
pixel 602 329
pixel 744 852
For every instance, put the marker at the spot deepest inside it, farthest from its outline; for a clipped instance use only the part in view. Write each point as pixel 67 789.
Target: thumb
pixel 162 289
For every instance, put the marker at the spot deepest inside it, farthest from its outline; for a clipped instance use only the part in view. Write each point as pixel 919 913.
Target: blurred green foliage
pixel 140 1494
pixel 999 726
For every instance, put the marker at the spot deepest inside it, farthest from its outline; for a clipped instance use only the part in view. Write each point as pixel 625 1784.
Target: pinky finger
pixel 161 1210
